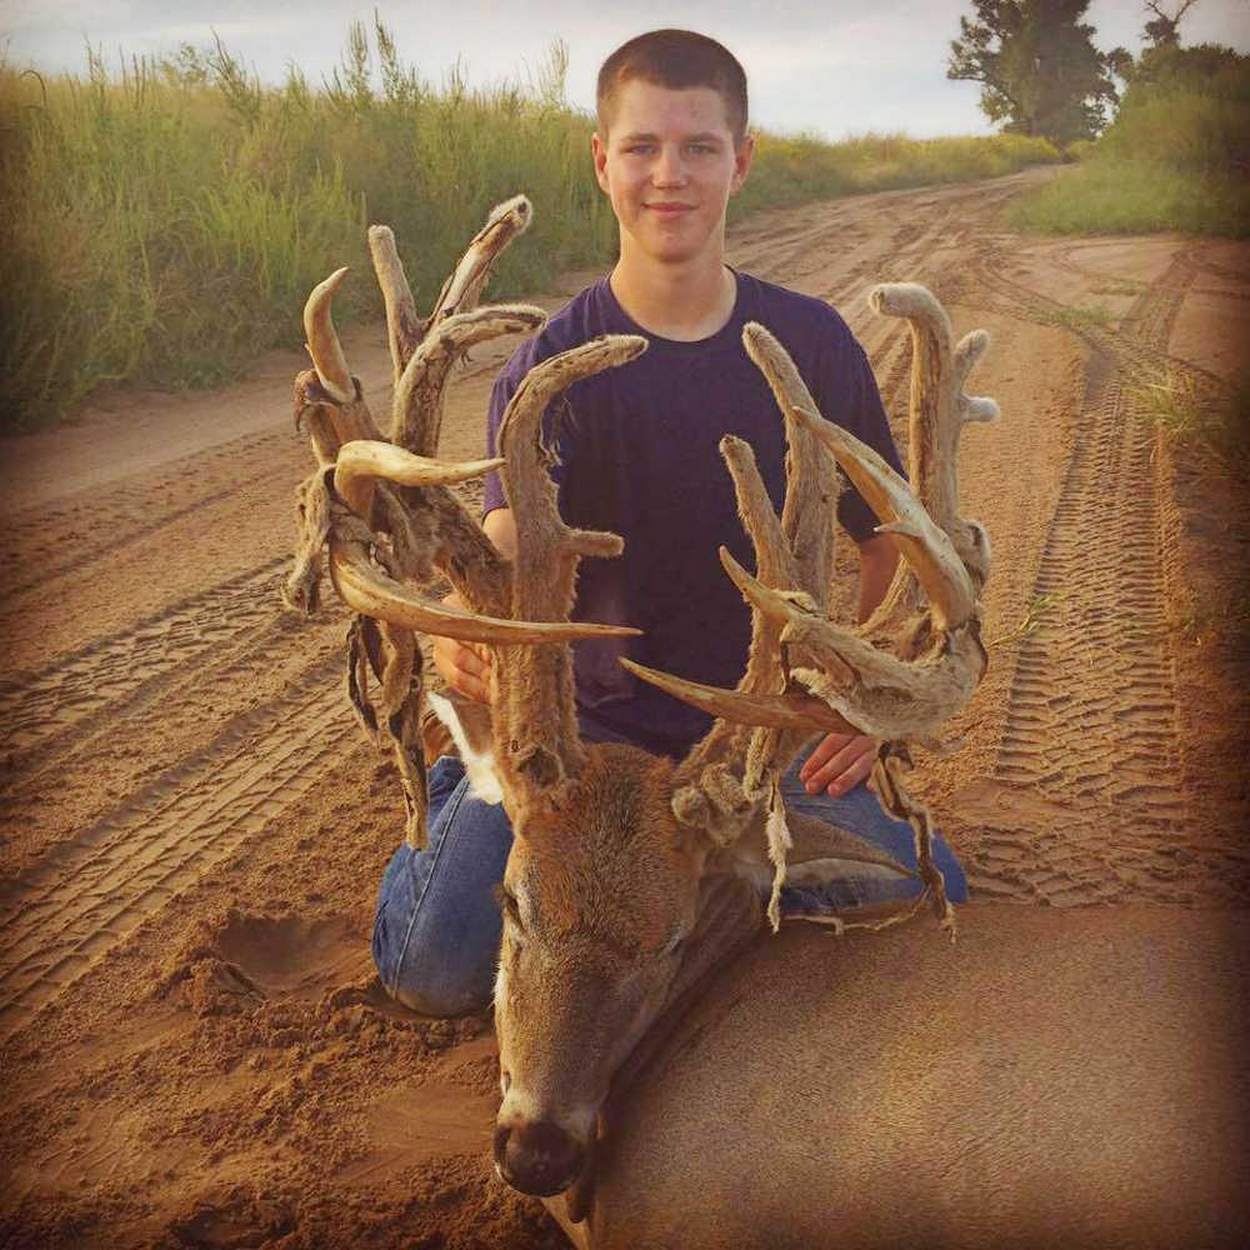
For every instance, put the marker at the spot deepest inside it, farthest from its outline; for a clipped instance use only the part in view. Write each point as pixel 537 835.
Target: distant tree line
pixel 1040 71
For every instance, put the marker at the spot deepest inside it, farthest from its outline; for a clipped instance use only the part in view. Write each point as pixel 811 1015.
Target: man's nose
pixel 669 171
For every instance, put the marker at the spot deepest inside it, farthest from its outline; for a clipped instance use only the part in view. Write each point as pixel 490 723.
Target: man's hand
pixel 839 762
pixel 463 666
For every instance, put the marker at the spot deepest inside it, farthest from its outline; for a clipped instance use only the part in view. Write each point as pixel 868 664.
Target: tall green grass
pixel 163 224
pixel 1177 156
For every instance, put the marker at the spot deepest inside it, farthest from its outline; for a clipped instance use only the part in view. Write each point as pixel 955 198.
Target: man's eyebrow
pixel 708 136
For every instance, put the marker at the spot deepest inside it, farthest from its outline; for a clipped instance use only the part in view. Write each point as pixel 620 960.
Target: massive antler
pixel 386 514
pixel 806 672
pixel 536 736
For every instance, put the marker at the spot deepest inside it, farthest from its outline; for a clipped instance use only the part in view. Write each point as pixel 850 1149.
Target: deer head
pixel 632 876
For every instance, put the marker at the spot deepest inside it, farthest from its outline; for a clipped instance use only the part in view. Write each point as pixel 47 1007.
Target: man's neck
pixel 685 302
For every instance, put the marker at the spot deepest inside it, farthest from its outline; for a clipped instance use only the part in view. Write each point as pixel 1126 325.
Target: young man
pixel 638 456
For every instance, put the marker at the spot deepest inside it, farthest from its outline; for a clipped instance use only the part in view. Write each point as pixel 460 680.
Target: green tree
pixel 1040 71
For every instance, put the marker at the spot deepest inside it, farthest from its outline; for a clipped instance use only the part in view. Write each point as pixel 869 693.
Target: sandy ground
pixel 192 1047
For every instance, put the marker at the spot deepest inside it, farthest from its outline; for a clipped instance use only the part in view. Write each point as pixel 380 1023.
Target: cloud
pixel 241 30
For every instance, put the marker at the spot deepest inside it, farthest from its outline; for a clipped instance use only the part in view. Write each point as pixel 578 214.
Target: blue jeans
pixel 437 932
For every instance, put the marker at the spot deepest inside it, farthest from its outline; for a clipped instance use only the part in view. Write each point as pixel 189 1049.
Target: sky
pixel 831 68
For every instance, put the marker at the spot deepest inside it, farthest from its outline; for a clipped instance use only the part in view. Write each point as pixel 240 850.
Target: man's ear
pixel 744 154
pixel 599 152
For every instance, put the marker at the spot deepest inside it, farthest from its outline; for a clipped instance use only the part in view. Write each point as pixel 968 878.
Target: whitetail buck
pixel 881 1091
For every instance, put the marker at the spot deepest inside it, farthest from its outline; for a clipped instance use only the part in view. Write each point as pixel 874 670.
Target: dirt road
pixel 193 1051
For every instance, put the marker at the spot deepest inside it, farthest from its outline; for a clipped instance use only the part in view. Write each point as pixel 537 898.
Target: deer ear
pixel 468 723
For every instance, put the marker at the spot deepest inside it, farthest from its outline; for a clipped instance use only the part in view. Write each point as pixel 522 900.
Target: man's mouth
pixel 668 209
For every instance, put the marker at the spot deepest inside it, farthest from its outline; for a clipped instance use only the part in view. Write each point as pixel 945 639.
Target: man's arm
pixel 463 666
pixel 500 527
pixel 878 558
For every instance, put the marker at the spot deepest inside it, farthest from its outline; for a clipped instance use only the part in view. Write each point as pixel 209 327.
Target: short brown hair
pixel 676 59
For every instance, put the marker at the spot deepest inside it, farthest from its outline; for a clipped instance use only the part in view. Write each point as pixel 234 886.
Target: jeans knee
pixel 438 983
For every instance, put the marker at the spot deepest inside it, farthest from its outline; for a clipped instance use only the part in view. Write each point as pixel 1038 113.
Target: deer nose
pixel 539 1159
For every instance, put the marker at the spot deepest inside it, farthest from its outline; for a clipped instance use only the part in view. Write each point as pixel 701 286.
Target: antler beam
pixel 538 733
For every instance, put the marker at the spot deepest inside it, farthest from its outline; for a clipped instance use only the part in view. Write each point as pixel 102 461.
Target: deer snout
pixel 538 1158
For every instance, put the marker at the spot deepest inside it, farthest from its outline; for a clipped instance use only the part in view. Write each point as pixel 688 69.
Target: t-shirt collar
pixel 620 322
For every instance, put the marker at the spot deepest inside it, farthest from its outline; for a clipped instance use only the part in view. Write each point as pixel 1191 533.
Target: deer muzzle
pixel 538 1158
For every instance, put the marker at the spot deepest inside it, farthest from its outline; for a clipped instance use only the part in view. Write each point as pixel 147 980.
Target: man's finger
pixel 851 777
pixel 828 746
pixel 469 661
pixel 844 768
pixel 837 751
pixel 470 686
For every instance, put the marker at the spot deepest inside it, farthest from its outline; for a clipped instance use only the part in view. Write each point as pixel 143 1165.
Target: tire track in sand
pixel 68 910
pixel 48 541
pixel 84 897
pixel 47 714
pixel 1092 725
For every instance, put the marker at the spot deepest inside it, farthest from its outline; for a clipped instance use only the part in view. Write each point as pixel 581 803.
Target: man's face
pixel 669 166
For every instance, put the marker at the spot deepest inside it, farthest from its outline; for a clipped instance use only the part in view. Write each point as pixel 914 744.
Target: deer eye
pixel 508 904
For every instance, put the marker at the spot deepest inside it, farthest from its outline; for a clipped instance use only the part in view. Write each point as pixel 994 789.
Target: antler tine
pixel 536 735
pixel 417 408
pixel 323 340
pixel 968 353
pixel 939 410
pixel 373 458
pixel 423 352
pixel 369 591
pixel 755 509
pixel 333 404
pixel 462 290
pixel 404 328
pixel 764 678
pixel 924 546
pixel 807 514
pixel 800 712
pixel 546 561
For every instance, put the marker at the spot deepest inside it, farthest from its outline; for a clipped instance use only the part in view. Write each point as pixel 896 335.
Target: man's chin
pixel 674 251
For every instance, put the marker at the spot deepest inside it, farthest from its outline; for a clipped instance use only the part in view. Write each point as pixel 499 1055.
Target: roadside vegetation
pixel 1214 428
pixel 162 225
pixel 798 169
pixel 1177 156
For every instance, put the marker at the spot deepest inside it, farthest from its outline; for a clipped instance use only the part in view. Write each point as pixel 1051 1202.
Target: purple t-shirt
pixel 638 452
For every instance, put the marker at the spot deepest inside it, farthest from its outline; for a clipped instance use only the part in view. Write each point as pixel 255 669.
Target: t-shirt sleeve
pixel 849 396
pixel 500 396
pixel 506 384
